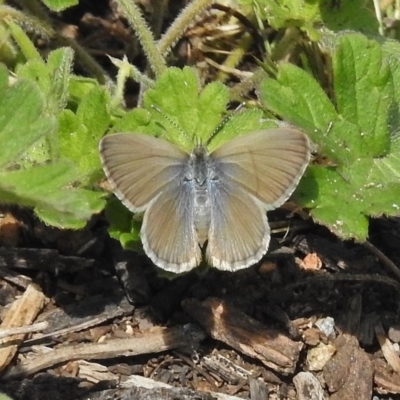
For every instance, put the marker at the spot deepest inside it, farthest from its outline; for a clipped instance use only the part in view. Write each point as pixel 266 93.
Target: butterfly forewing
pixel 168 230
pixel 140 167
pixel 267 164
pixel 239 231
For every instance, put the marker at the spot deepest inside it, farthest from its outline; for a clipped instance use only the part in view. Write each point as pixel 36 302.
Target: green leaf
pixel 4 397
pixel 53 80
pixel 357 15
pixel 341 15
pixel 79 87
pixel 300 97
pixel 362 75
pixel 187 113
pixel 21 120
pixel 241 123
pixel 80 133
pixel 334 202
pixel 52 77
pixel 356 133
pixel 285 13
pixel 48 190
pixel 60 5
pixel 122 226
pixel 139 120
pixel 59 66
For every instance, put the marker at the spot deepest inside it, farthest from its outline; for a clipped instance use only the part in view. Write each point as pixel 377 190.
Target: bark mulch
pixel 81 318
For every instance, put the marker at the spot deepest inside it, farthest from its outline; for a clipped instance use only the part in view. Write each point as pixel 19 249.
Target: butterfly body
pixel 221 197
pixel 201 174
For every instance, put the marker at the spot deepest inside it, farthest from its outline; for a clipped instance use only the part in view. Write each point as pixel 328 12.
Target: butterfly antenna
pixel 223 122
pixel 171 121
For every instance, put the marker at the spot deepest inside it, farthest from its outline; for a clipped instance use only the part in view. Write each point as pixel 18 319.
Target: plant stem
pixel 41 27
pixel 85 60
pixel 235 57
pixel 30 22
pixel 157 17
pixel 36 8
pixel 126 70
pixel 285 44
pixel 144 34
pixel 182 21
pixel 245 86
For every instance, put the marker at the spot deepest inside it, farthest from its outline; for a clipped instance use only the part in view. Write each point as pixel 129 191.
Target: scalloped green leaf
pixel 188 113
pixel 359 133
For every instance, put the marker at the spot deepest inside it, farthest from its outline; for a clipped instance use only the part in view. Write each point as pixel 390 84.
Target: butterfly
pixel 216 202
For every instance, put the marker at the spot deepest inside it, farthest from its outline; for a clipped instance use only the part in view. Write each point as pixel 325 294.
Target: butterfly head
pixel 198 164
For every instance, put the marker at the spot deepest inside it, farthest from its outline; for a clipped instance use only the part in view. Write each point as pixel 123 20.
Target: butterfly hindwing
pixel 239 232
pixel 168 231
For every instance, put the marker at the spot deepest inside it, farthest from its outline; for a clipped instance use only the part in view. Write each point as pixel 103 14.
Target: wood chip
pixel 171 392
pixel 21 314
pixel 387 349
pixel 308 387
pixel 245 334
pixel 385 379
pixel 94 372
pixel 349 372
pixel 154 341
pixel 89 312
pixel 258 389
pixel 4 332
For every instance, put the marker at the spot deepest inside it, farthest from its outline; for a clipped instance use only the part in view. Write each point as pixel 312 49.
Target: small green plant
pixel 359 132
pixel 33 172
pixel 51 124
pixel 309 16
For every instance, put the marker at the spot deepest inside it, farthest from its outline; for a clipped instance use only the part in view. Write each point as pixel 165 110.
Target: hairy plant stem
pixel 235 57
pixel 126 70
pixel 236 92
pixel 8 51
pixel 25 45
pixel 44 29
pixel 157 17
pixel 36 8
pixel 182 21
pixel 86 61
pixel 285 45
pixel 146 38
pixel 30 22
pixel 281 50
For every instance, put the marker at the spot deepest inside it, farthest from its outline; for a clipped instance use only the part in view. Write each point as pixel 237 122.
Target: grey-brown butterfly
pixel 220 197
